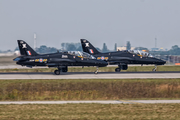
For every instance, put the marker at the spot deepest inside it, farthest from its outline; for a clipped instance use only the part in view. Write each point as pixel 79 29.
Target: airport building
pixel 124 48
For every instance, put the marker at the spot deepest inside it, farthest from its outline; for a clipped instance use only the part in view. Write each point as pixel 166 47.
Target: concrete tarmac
pixel 96 101
pixel 91 75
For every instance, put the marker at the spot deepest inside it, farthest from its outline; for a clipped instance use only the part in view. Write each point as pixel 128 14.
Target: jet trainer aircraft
pixel 122 58
pixel 61 60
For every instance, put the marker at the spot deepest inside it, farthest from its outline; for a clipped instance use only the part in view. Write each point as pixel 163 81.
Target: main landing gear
pixel 96 72
pixel 121 67
pixel 154 69
pixel 57 72
pixel 118 69
pixel 60 69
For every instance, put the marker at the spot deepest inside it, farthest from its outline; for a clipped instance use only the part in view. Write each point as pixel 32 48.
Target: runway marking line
pixel 127 101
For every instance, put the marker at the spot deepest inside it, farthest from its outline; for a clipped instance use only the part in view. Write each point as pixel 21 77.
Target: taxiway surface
pixel 91 75
pixel 99 102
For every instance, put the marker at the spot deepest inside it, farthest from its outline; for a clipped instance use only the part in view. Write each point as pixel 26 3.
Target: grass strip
pixel 92 111
pixel 89 89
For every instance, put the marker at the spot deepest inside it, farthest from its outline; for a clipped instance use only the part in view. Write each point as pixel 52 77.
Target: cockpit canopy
pixel 16 59
pixel 81 54
pixel 140 53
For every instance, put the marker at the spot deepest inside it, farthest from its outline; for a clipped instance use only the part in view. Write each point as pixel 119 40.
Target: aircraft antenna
pixel 35 41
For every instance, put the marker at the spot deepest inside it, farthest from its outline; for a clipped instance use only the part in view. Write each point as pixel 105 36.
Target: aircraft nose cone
pixel 161 62
pixel 164 62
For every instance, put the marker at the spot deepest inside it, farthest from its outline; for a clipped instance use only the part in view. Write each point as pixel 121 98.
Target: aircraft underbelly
pixel 121 58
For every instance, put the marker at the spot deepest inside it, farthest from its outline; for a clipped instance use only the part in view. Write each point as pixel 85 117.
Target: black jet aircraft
pixel 61 60
pixel 122 58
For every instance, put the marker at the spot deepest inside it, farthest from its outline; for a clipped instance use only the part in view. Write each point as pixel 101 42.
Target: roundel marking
pixel 40 60
pixel 102 58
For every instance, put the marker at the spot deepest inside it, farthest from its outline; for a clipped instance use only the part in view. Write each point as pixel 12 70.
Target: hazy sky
pixel 99 21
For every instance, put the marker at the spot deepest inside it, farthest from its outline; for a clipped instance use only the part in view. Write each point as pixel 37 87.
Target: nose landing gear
pixel 154 69
pixel 96 72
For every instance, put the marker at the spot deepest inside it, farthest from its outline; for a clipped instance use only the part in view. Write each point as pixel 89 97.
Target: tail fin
pixel 88 47
pixel 25 49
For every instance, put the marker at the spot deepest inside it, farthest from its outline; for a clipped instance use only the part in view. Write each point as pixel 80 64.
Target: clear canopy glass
pixel 81 54
pixel 17 59
pixel 140 53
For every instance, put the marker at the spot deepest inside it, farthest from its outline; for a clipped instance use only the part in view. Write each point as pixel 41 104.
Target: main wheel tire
pixel 117 70
pixel 57 72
